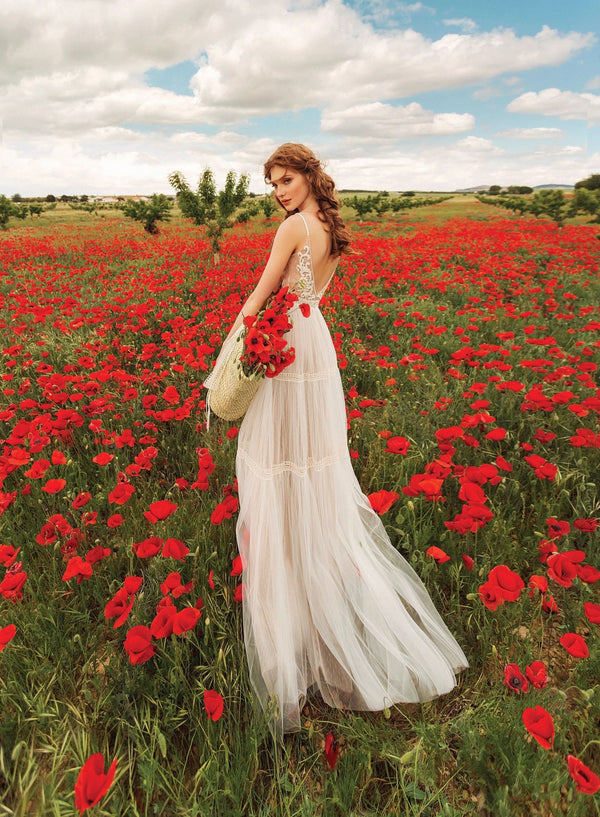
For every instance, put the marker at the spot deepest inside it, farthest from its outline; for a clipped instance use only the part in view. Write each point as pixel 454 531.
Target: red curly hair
pixel 298 157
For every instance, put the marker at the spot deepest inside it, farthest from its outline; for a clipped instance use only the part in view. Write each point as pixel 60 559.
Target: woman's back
pixel 317 250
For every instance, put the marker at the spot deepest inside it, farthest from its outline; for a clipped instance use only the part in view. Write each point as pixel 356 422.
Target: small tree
pixel 6 211
pixel 268 206
pixel 494 190
pixel 362 205
pixel 587 201
pixel 149 212
pixel 551 203
pixel 216 211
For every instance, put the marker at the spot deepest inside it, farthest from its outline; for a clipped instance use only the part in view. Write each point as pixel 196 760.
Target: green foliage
pixel 268 206
pixel 586 200
pixel 591 183
pixel 382 203
pixel 217 211
pixel 552 203
pixel 149 212
pixel 519 190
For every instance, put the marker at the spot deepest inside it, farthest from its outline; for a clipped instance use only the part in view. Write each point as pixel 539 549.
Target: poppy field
pixel 469 350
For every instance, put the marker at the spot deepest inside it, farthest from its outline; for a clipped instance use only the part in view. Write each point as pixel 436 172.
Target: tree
pixel 587 201
pixel 550 203
pixel 591 183
pixel 6 211
pixel 494 189
pixel 216 211
pixel 149 212
pixel 268 206
pixel 362 205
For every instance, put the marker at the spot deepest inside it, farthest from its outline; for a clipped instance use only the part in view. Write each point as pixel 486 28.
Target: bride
pixel 329 605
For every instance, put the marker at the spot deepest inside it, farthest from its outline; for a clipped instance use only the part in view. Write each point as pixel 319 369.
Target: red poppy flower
pixel 468 561
pixel 540 725
pixel 213 703
pixel 536 674
pixel 92 783
pixel 81 500
pixel 562 567
pixel 149 547
pixel 138 644
pixel 509 582
pixel 53 486
pixel 97 554
pixel 185 620
pixel 120 606
pixel 381 501
pixel 592 612
pixel 586 525
pixel 103 458
pixel 397 445
pixel 585 780
pixel 491 595
pixel 237 566
pixel 121 493
pixel 588 573
pixel 438 554
pixel 11 586
pixel 305 309
pixel 8 554
pixel 514 678
pixel 6 635
pixel 175 549
pixel 575 645
pixel 331 751
pixel 160 510
pixel 162 624
pixel 76 566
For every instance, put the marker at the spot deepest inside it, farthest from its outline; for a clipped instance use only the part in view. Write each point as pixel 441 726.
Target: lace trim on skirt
pixel 307 377
pixel 288 465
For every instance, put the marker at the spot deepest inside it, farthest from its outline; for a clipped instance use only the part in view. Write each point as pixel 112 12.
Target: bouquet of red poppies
pixel 266 352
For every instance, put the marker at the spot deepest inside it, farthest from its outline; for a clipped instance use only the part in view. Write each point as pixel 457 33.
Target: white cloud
pixel 464 23
pixel 376 121
pixel 554 102
pixel 77 111
pixel 531 133
pixel 82 61
pixel 480 145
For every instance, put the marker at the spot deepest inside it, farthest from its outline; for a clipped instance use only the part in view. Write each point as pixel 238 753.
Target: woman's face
pixel 291 188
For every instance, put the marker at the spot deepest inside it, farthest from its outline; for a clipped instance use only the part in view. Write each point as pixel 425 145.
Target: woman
pixel 330 606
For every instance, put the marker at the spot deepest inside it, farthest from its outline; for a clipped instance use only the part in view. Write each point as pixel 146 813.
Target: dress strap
pixel 305 224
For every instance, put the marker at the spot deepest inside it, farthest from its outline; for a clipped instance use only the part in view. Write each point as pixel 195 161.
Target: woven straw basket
pixel 232 395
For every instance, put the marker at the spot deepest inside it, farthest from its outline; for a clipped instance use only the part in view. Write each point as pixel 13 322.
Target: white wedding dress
pixel 329 604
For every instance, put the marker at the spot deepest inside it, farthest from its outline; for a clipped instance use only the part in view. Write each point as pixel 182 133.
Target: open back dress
pixel 329 605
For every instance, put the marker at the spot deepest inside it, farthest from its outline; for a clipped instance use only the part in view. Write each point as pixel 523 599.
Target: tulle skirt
pixel 329 604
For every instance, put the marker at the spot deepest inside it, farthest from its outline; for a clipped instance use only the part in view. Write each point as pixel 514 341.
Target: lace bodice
pixel 299 273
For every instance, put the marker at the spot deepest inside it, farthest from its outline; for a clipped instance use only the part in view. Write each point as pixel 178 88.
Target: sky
pixel 109 97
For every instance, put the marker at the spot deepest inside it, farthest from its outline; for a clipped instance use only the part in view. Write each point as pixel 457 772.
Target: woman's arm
pixel 287 238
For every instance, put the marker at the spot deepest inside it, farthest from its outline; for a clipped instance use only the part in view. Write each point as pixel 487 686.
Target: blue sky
pixel 110 96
